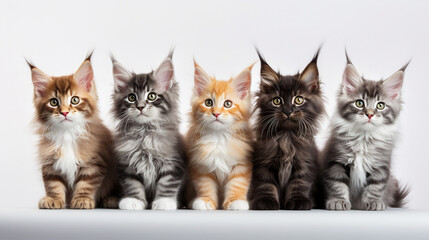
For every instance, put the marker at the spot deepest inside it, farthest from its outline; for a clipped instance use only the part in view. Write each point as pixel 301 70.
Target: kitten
pixel 357 156
pixel 219 141
pixel 285 155
pixel 150 147
pixel 75 148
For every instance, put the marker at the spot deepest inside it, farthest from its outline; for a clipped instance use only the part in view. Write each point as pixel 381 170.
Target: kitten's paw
pixel 203 204
pixel 298 203
pixel 82 203
pixel 266 204
pixel 338 204
pixel 237 205
pixel 50 203
pixel 130 203
pixel 164 204
pixel 373 206
pixel 110 202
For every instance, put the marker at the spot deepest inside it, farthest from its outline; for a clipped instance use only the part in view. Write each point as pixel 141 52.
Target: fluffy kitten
pixel 285 155
pixel 357 156
pixel 219 141
pixel 75 147
pixel 151 153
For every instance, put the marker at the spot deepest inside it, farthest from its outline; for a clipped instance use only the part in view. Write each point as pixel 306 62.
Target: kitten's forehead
pixel 142 82
pixel 371 89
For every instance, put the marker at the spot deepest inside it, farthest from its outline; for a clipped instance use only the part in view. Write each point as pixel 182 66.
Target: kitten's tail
pixel 399 196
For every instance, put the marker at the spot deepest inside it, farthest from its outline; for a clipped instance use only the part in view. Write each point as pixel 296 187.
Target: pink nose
pixel 370 116
pixel 65 113
pixel 216 114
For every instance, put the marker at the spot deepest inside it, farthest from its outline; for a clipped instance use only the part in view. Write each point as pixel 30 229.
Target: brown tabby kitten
pixel 75 148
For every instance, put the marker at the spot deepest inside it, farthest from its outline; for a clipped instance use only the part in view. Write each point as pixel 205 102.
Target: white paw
pixel 238 205
pixel 130 203
pixel 164 204
pixel 200 204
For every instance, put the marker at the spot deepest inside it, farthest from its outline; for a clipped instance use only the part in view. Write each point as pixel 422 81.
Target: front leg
pixel 298 189
pixel 86 186
pixel 264 189
pixel 236 188
pixel 169 183
pixel 134 196
pixel 372 195
pixel 55 188
pixel 206 188
pixel 336 180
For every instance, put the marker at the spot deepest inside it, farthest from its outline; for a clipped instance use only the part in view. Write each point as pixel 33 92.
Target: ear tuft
pixel 164 75
pixel 310 75
pixel 268 75
pixel 121 75
pixel 201 79
pixel 242 82
pixel 84 75
pixel 40 81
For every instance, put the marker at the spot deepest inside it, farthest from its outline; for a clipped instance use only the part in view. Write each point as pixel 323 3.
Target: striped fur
pixel 75 149
pixel 219 142
pixel 148 142
pixel 357 156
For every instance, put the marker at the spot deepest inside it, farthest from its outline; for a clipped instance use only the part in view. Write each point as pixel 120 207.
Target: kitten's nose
pixel 65 113
pixel 369 116
pixel 288 113
pixel 140 108
pixel 216 114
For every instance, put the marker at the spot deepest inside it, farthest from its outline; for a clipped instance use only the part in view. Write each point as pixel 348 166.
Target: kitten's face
pixel 367 103
pixel 64 102
pixel 142 98
pixel 221 104
pixel 289 103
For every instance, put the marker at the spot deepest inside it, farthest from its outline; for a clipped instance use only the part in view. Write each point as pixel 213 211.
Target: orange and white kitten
pixel 219 141
pixel 75 148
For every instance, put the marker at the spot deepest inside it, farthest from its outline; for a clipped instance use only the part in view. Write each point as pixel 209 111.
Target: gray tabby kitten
pixel 358 154
pixel 150 148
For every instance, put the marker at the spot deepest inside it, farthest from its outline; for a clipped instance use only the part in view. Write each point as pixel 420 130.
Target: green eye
pixel 359 103
pixel 75 100
pixel 227 104
pixel 132 97
pixel 208 103
pixel 381 105
pixel 299 100
pixel 53 102
pixel 152 96
pixel 277 101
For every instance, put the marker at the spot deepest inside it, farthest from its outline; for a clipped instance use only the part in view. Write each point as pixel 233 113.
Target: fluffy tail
pixel 399 196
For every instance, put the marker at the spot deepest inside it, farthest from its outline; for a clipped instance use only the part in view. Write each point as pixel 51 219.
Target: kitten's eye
pixel 359 103
pixel 208 103
pixel 132 97
pixel 299 100
pixel 277 101
pixel 227 104
pixel 75 100
pixel 381 105
pixel 53 102
pixel 152 96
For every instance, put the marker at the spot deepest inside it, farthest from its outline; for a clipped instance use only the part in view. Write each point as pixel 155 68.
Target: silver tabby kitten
pixel 358 154
pixel 150 148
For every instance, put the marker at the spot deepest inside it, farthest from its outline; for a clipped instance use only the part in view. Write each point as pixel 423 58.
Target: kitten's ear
pixel 164 75
pixel 121 75
pixel 392 86
pixel 201 79
pixel 84 75
pixel 351 78
pixel 242 82
pixel 310 75
pixel 268 75
pixel 40 80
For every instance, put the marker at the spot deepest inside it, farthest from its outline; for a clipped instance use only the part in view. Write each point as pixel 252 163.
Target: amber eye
pixel 132 97
pixel 359 103
pixel 53 102
pixel 75 100
pixel 227 104
pixel 277 101
pixel 299 100
pixel 152 96
pixel 208 103
pixel 381 105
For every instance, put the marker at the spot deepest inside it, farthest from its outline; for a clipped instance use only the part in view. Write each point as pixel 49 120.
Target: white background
pixel 380 37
